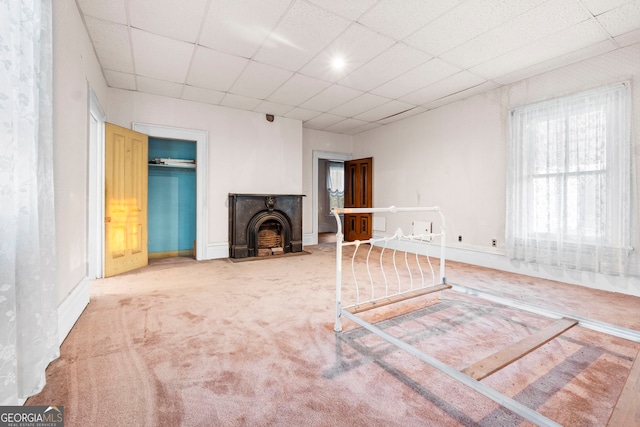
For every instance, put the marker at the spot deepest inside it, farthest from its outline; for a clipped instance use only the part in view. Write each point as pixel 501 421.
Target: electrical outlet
pixel 460 238
pixel 494 242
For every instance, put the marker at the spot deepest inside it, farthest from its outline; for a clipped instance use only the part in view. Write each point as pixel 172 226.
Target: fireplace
pixel 264 224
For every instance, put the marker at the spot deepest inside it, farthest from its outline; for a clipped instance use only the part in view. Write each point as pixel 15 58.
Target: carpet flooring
pixel 217 343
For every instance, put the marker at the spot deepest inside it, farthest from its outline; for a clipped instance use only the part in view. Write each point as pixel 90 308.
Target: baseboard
pixel 71 308
pixel 309 239
pixel 217 250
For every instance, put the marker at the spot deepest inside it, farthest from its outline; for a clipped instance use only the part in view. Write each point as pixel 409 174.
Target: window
pixel 569 181
pixel 335 184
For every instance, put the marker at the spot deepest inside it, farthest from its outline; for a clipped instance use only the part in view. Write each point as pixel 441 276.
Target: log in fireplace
pixel 264 224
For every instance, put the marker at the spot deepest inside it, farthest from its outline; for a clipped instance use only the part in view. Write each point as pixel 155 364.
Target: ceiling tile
pixel 351 9
pixel 260 80
pixel 622 19
pixel 466 21
pixel 323 121
pixel 391 63
pixel 361 129
pixel 303 32
pixel 421 76
pixel 357 105
pixel 399 18
pixel 535 24
pixel 574 38
pixel 160 57
pixel 297 89
pixel 240 27
pixel 241 102
pixel 356 46
pixel 346 125
pixel 383 111
pixel 176 19
pixel 112 10
pixel 120 80
pixel 330 98
pixel 273 108
pixel 452 84
pixel 112 44
pixel 302 114
pixel 159 87
pixel 205 96
pixel 215 70
pixel 600 6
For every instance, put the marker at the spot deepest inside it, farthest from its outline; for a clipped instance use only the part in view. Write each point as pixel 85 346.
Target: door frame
pixel 202 162
pixel 95 189
pixel 325 155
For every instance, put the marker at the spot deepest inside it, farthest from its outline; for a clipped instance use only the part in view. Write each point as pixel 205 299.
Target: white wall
pixel 75 67
pixel 247 154
pixel 455 157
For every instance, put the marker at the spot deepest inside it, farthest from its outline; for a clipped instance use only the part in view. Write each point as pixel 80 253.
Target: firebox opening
pixel 270 238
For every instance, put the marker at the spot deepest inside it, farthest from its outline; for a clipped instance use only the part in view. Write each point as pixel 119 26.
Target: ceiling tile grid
pixel 399 58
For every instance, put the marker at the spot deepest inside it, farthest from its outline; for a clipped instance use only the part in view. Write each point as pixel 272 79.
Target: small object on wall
pixel 270 117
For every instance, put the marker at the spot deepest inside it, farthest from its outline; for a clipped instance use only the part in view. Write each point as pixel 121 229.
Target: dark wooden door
pixel 358 190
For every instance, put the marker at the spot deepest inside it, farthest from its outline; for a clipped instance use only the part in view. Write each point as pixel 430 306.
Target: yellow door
pixel 125 200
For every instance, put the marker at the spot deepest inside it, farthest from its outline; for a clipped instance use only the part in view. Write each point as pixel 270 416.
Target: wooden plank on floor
pixel 627 410
pixel 397 298
pixel 510 354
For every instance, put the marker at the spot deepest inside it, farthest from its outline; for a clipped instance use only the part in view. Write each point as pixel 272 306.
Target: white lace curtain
pixel 335 184
pixel 570 182
pixel 28 290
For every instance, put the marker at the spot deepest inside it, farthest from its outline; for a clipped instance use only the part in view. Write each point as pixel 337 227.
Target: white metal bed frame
pixel 390 296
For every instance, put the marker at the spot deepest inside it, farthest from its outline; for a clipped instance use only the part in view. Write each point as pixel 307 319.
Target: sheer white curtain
pixel 570 174
pixel 28 290
pixel 335 184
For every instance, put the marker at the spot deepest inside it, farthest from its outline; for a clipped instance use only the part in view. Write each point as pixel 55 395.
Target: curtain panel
pixel 570 182
pixel 28 288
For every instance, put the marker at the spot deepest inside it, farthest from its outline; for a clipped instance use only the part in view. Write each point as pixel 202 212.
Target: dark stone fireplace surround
pixel 248 212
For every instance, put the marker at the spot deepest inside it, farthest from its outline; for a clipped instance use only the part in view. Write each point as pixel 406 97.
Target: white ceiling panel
pixel 600 6
pixel 360 104
pixel 171 18
pixel 345 125
pixel 452 84
pixel 297 89
pixel 533 25
pixel 159 87
pixel 421 76
pixel 302 114
pixel 112 44
pixel 120 80
pixel 268 107
pixel 215 70
pixel 160 57
pixel 622 19
pixel 260 80
pixel 469 19
pixel 239 102
pixel 356 46
pixel 330 98
pixel 399 18
pixel 303 32
pixel 276 56
pixel 574 38
pixel 199 94
pixel 323 121
pixel 240 27
pixel 351 9
pixel 112 10
pixel 393 62
pixel 384 111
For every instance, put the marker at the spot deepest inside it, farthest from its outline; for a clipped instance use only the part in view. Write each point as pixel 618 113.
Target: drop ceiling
pixel 401 57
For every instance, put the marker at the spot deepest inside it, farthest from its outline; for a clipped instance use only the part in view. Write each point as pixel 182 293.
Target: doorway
pixel 319 186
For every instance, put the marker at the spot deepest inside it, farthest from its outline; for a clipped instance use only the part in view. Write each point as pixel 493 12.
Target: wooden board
pixel 507 355
pixel 627 410
pixel 397 298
